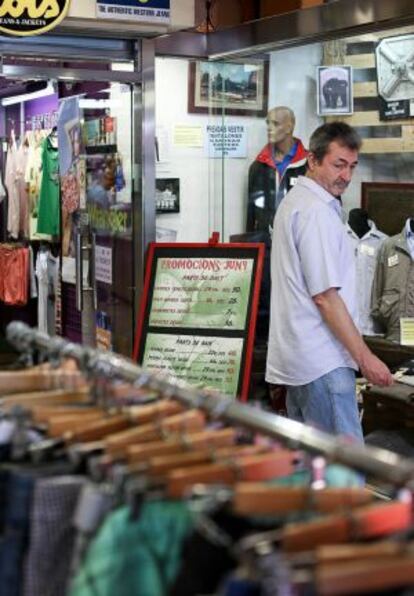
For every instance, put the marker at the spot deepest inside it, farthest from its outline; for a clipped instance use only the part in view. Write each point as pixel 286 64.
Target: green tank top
pixel 48 219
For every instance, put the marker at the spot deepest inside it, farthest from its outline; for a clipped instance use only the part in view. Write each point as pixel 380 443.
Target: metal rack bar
pixel 376 462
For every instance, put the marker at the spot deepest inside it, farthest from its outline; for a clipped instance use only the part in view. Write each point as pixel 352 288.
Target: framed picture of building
pixel 167 195
pixel 334 90
pixel 233 88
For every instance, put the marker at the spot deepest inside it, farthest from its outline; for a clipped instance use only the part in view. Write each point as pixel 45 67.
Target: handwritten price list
pixel 209 362
pixel 205 293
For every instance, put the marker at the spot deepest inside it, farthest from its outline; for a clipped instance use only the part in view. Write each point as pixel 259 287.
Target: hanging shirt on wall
pixel 409 234
pixel 10 178
pixel 46 273
pixel 21 164
pixel 14 281
pixel 393 287
pixel 366 251
pixel 2 191
pixel 42 280
pixel 33 174
pixel 48 221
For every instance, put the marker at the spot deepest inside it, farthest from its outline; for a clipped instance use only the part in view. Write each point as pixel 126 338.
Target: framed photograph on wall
pixel 334 90
pixel 237 88
pixel 167 195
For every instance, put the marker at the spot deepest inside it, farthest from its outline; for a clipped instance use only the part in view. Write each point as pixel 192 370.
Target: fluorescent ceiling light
pixel 49 90
pixel 93 104
pixel 122 66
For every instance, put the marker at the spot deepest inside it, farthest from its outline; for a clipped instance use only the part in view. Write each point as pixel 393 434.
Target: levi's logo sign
pixel 31 17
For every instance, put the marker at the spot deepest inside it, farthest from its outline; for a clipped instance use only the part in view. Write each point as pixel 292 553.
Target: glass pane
pixel 101 150
pixel 184 193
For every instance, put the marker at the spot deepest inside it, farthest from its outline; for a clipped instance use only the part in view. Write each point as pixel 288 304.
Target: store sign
pixel 31 17
pixel 143 11
pixel 198 313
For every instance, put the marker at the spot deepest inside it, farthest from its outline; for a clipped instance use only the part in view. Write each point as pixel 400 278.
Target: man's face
pixel 279 126
pixel 334 172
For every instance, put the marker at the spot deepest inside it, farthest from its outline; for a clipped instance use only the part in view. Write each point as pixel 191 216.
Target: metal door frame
pixel 141 53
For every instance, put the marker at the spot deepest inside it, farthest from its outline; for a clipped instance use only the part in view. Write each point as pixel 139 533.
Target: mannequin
pixel 358 222
pixel 275 169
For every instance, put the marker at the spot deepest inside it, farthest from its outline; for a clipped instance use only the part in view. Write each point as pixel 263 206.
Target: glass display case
pixel 233 133
pixel 212 131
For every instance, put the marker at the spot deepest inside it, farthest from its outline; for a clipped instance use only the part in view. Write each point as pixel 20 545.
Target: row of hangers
pixel 173 446
pixel 349 541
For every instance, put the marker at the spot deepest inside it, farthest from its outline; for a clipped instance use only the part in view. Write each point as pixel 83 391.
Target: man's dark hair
pixel 340 132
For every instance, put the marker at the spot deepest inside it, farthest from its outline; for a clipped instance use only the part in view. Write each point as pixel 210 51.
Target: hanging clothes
pixel 33 174
pixel 2 191
pixel 42 280
pixel 48 221
pixel 140 557
pixel 21 165
pixel 366 252
pixel 46 273
pixel 10 178
pixel 15 268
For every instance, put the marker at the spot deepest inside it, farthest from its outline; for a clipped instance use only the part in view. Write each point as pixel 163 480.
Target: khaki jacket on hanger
pixel 393 286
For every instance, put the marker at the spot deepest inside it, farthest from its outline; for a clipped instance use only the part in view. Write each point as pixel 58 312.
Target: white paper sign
pixel 103 264
pixel 69 271
pixel 226 140
pixel 144 11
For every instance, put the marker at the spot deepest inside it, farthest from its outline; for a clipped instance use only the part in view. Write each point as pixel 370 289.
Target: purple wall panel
pixel 2 122
pixel 41 105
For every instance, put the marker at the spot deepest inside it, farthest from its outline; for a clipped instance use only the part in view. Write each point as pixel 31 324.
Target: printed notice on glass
pixel 103 264
pixel 205 293
pixel 198 314
pixel 407 331
pixel 226 141
pixel 208 362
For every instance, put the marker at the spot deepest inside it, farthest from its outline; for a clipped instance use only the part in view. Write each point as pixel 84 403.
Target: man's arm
pixel 336 316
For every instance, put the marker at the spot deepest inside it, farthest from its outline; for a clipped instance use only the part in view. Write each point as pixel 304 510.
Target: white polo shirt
pixel 310 254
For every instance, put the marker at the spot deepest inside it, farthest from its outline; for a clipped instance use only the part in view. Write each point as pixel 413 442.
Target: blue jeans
pixel 328 403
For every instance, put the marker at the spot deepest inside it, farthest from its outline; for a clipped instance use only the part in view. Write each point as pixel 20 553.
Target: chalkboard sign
pixel 198 314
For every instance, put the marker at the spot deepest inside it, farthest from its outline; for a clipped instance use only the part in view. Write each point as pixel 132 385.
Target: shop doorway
pixel 83 120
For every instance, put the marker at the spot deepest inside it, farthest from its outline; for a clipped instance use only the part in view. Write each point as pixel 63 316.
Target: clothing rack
pixel 376 462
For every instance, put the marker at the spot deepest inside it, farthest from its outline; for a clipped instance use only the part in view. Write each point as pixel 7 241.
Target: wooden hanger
pixel 144 414
pixel 61 424
pixel 192 420
pixel 161 465
pixel 249 468
pixel 365 577
pixel 97 430
pixel 181 444
pixel 120 427
pixel 43 414
pixel 58 396
pixel 251 498
pixel 372 521
pixel 39 379
pixel 342 553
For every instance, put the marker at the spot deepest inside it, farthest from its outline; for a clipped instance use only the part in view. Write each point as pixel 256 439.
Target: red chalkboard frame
pixel 188 250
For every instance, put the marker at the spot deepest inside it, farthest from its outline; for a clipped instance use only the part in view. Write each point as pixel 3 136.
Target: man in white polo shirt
pixel 314 346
